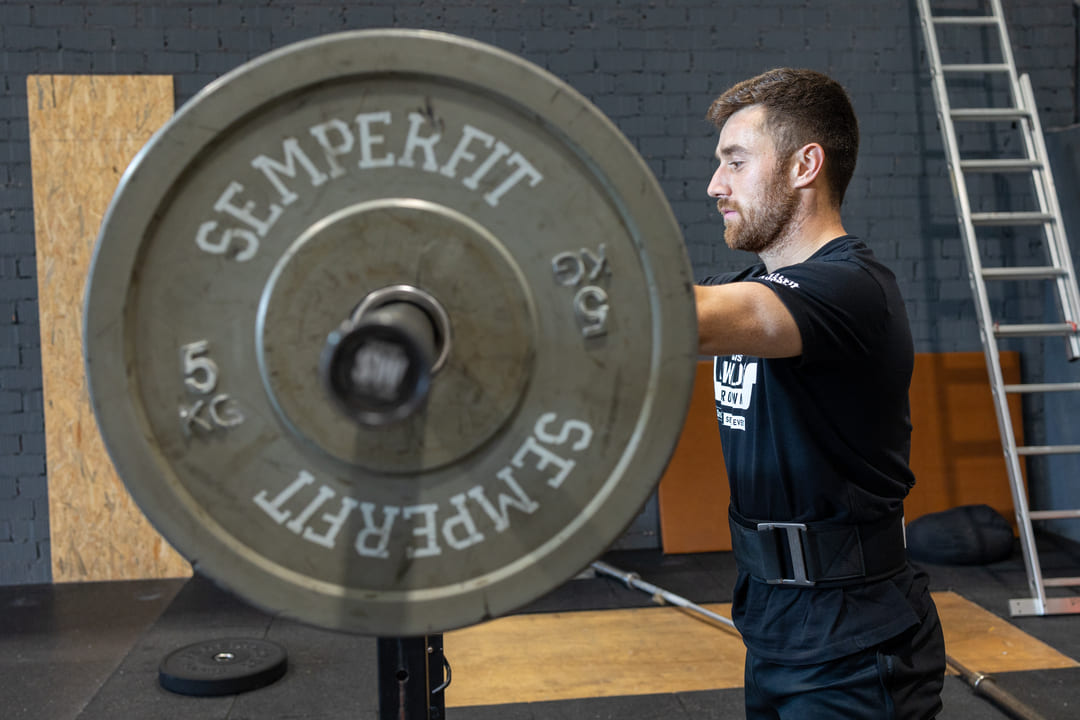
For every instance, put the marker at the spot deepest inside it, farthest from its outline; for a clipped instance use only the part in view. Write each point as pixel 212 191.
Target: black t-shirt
pixel 823 437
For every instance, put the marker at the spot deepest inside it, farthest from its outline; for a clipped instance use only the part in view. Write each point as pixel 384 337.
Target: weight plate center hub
pixel 362 250
pixel 390 331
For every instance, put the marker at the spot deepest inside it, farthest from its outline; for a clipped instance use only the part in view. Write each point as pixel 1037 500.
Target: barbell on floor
pixel 983 685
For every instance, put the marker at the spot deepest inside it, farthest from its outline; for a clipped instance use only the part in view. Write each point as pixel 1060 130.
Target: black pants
pixel 901 679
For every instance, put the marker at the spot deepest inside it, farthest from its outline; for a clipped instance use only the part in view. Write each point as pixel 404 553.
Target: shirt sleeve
pixel 730 277
pixel 839 307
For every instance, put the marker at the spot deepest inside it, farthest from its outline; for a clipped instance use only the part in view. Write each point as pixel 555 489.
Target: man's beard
pixel 757 229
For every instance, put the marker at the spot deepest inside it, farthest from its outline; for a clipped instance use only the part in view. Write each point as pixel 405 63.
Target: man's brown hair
pixel 801 107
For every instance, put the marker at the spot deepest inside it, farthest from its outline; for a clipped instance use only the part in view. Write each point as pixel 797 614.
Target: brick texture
pixel 653 67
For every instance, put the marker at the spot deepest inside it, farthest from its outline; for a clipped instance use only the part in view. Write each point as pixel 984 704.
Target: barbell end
pixel 378 365
pixel 627 578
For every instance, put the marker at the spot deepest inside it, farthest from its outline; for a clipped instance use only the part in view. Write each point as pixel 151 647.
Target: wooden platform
pixel 642 651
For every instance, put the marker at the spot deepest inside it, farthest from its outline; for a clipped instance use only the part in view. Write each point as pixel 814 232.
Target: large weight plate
pixel 259 217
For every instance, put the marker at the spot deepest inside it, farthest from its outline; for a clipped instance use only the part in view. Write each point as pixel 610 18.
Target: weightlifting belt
pixel 818 554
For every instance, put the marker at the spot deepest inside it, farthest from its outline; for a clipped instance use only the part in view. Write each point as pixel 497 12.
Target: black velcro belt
pixel 818 555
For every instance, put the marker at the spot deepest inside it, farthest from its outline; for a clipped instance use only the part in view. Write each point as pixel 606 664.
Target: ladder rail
pixel 982 305
pixel 1005 44
pixel 1056 241
pixel 1043 179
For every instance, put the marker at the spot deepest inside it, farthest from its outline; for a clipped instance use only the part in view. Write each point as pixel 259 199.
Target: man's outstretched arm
pixel 745 318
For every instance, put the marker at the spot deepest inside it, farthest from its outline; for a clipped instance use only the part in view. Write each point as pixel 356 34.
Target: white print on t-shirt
pixel 780 280
pixel 738 422
pixel 733 380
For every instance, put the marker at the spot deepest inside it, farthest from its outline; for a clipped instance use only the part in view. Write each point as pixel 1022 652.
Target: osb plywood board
pixel 605 653
pixel 84 130
pixel 955 451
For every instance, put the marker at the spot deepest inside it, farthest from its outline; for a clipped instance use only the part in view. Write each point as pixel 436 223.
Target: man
pixel 814 360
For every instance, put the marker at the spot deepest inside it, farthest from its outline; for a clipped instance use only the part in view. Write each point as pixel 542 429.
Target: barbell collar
pixel 378 365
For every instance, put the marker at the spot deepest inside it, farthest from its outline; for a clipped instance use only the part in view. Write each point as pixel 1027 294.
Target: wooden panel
pixel 604 653
pixel 955 451
pixel 693 492
pixel 84 130
pixel 955 444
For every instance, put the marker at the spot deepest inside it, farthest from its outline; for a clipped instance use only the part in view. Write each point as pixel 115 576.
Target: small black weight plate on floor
pixel 223 667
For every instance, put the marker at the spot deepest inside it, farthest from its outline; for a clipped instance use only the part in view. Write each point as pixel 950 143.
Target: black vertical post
pixel 436 681
pixel 407 667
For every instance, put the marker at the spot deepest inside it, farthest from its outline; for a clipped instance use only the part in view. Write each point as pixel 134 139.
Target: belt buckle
pixel 795 533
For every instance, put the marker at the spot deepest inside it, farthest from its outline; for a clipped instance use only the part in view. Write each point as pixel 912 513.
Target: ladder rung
pixel 1043 387
pixel 1036 330
pixel 1003 165
pixel 988 113
pixel 1023 273
pixel 1011 218
pixel 1054 514
pixel 976 68
pixel 1061 582
pixel 1048 450
pixel 964 20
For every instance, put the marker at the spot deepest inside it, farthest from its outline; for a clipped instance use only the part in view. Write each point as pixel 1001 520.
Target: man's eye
pixel 735 164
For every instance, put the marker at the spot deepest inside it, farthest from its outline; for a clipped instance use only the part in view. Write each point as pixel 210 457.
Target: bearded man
pixel 813 363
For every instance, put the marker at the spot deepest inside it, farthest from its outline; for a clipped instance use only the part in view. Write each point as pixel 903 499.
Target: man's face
pixel 751 185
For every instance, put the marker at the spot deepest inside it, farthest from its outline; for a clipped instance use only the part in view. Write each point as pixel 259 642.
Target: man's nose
pixel 718 187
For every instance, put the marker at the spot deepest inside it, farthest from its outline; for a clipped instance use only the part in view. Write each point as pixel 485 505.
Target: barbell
pixel 389 331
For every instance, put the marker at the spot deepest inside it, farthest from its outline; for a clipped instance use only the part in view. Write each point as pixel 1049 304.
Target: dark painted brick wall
pixel 652 66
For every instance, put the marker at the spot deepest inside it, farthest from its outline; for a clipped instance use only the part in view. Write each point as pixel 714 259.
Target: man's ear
pixel 809 161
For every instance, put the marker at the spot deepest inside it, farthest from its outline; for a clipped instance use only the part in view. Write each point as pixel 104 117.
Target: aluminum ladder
pixel 1032 160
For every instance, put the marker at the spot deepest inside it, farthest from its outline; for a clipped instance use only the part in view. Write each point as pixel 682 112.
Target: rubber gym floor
pixel 591 649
